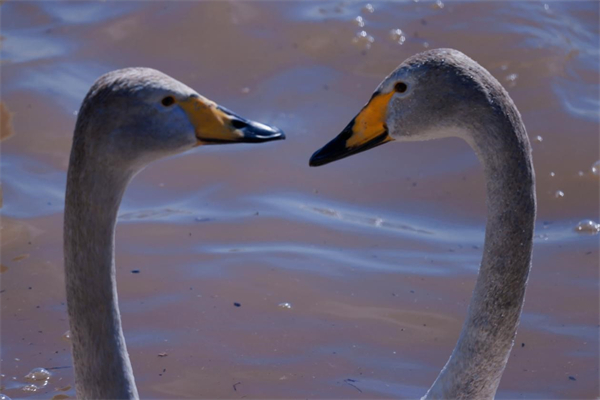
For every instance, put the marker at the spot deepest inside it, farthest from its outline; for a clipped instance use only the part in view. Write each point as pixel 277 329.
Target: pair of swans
pixel 132 117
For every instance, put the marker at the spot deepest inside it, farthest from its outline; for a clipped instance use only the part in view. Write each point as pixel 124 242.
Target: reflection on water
pixel 261 277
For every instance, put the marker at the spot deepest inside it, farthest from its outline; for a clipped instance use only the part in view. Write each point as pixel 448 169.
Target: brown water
pixel 377 254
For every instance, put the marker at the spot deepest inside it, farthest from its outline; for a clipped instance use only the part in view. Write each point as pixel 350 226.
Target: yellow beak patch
pixel 366 131
pixel 211 123
pixel 370 122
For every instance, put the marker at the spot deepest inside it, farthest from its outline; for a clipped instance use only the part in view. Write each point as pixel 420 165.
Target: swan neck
pixel 102 366
pixel 481 353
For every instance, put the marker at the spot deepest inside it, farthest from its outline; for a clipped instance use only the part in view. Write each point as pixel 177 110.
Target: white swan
pixel 129 118
pixel 441 93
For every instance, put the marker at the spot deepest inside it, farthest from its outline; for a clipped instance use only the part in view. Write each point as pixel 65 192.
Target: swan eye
pixel 168 101
pixel 400 87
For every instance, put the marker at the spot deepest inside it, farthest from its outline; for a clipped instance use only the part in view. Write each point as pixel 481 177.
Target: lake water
pixel 377 254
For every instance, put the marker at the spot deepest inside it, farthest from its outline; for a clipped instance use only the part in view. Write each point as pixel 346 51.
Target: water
pixel 378 253
pixel 38 374
pixel 596 168
pixel 588 227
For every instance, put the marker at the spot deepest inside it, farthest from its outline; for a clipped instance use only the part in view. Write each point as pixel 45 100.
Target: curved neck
pixel 481 353
pixel 102 366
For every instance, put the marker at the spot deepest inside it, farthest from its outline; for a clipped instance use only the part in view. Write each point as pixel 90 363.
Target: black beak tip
pixel 258 133
pixel 275 134
pixel 280 135
pixel 253 132
pixel 338 148
pixel 316 160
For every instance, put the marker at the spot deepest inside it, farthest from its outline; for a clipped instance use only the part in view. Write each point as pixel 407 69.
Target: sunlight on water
pixel 596 168
pixel 38 374
pixel 363 40
pixel 397 36
pixel 587 227
pixel 31 388
pixel 360 22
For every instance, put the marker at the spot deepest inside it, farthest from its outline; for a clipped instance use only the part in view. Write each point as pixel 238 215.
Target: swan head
pixel 434 94
pixel 133 116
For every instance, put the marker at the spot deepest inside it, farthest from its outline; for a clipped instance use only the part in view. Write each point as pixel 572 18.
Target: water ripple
pixel 336 261
pixel 343 217
pixel 87 12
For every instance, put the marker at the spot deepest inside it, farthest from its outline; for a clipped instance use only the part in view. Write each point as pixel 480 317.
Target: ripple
pixel 549 323
pixel 31 188
pixel 66 83
pixel 87 12
pixel 153 214
pixel 364 220
pixel 342 216
pixel 579 99
pixel 330 260
pixel 29 46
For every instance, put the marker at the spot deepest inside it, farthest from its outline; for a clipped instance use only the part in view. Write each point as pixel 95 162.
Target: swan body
pixel 442 93
pixel 129 118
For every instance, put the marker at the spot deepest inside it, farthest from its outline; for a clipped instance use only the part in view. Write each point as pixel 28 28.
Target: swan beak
pixel 365 131
pixel 217 125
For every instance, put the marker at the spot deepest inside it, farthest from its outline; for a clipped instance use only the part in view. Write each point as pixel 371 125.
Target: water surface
pixel 377 253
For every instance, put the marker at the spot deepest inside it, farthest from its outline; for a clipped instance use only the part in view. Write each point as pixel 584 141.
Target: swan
pixel 129 118
pixel 443 93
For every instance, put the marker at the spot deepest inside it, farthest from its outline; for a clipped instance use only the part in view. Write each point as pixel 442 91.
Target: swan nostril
pixel 238 123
